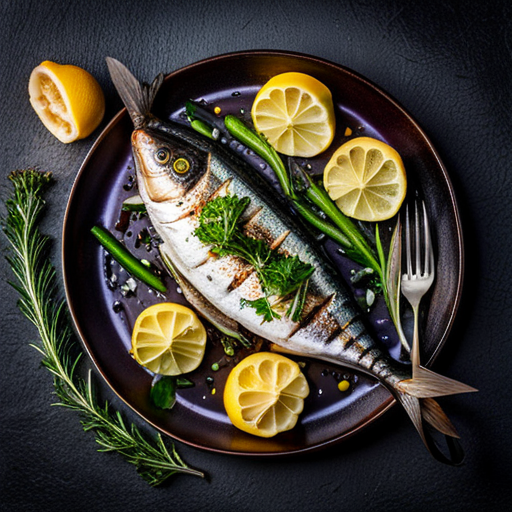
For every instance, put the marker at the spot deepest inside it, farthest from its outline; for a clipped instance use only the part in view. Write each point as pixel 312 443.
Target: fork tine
pixel 408 243
pixel 417 236
pixel 429 264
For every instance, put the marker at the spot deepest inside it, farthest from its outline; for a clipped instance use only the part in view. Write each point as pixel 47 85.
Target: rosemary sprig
pixel 40 303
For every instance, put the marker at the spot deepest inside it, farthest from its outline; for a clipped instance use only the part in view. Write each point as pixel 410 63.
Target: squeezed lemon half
pixel 265 393
pixel 168 339
pixel 366 178
pixel 68 100
pixel 295 112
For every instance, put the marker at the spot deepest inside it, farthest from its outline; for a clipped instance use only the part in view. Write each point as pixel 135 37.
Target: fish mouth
pixel 140 141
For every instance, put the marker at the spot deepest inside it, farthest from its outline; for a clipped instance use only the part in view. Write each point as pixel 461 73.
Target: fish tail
pixel 138 98
pixel 427 384
pixel 416 396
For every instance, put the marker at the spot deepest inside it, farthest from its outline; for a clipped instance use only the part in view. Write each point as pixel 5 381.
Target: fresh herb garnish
pixel 280 275
pixel 40 303
pixel 163 392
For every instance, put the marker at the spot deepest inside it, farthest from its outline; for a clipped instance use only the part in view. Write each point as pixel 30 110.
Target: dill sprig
pixel 39 301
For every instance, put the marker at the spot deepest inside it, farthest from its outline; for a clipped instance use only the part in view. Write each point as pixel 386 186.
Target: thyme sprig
pixel 40 303
pixel 280 275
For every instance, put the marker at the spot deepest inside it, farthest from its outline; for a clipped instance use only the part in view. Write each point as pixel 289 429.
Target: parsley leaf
pixel 280 275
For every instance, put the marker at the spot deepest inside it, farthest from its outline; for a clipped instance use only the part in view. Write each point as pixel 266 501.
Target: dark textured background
pixel 449 64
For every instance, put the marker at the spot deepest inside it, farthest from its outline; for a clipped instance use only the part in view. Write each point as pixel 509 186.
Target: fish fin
pixel 138 98
pixel 430 412
pixel 435 416
pixel 428 384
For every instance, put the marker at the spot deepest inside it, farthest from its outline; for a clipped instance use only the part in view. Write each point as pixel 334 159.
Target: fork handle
pixel 415 351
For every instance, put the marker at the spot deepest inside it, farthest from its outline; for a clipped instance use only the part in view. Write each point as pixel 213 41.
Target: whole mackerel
pixel 178 172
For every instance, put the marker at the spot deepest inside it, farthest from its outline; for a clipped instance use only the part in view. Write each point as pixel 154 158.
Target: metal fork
pixel 420 274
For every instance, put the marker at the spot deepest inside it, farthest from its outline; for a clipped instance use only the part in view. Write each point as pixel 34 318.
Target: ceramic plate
pixel 103 316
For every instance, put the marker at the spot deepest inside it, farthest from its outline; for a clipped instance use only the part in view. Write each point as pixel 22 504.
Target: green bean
pixel 256 143
pixel 121 254
pixel 201 127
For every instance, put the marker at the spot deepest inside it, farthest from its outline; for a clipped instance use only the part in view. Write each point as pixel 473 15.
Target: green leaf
pixel 262 307
pixel 163 392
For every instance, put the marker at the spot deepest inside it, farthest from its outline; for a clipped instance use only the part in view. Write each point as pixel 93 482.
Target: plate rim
pixel 386 404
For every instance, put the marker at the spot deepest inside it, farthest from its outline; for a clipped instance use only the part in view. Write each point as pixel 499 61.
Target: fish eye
pixel 162 155
pixel 181 165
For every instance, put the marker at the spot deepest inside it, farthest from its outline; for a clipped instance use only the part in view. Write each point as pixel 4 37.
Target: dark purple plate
pixel 104 318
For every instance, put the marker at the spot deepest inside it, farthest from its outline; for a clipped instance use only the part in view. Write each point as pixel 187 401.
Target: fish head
pixel 168 168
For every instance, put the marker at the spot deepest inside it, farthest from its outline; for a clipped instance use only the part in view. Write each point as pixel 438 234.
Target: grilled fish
pixel 178 173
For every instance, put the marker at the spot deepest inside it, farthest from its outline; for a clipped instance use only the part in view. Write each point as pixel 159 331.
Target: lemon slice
pixel 168 339
pixel 366 178
pixel 68 100
pixel 296 114
pixel 264 394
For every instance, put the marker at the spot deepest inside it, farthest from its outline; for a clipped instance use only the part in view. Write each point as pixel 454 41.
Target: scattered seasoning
pixel 215 367
pixel 214 391
pixel 236 93
pixel 348 132
pixel 242 111
pixel 129 287
pixel 217 110
pixel 343 385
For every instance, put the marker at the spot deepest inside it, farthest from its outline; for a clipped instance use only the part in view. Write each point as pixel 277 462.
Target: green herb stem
pixel 39 302
pixel 358 246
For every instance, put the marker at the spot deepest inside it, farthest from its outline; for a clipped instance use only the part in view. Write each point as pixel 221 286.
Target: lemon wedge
pixel 168 339
pixel 68 100
pixel 295 112
pixel 366 178
pixel 265 393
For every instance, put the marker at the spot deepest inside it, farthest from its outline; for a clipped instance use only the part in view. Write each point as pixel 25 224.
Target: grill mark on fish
pixel 309 318
pixel 240 278
pixel 221 190
pixel 334 335
pixel 206 260
pixel 252 217
pixel 364 351
pixel 279 240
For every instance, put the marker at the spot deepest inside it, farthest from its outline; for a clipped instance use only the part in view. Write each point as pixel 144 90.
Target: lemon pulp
pixel 168 339
pixel 68 100
pixel 295 112
pixel 265 393
pixel 366 178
